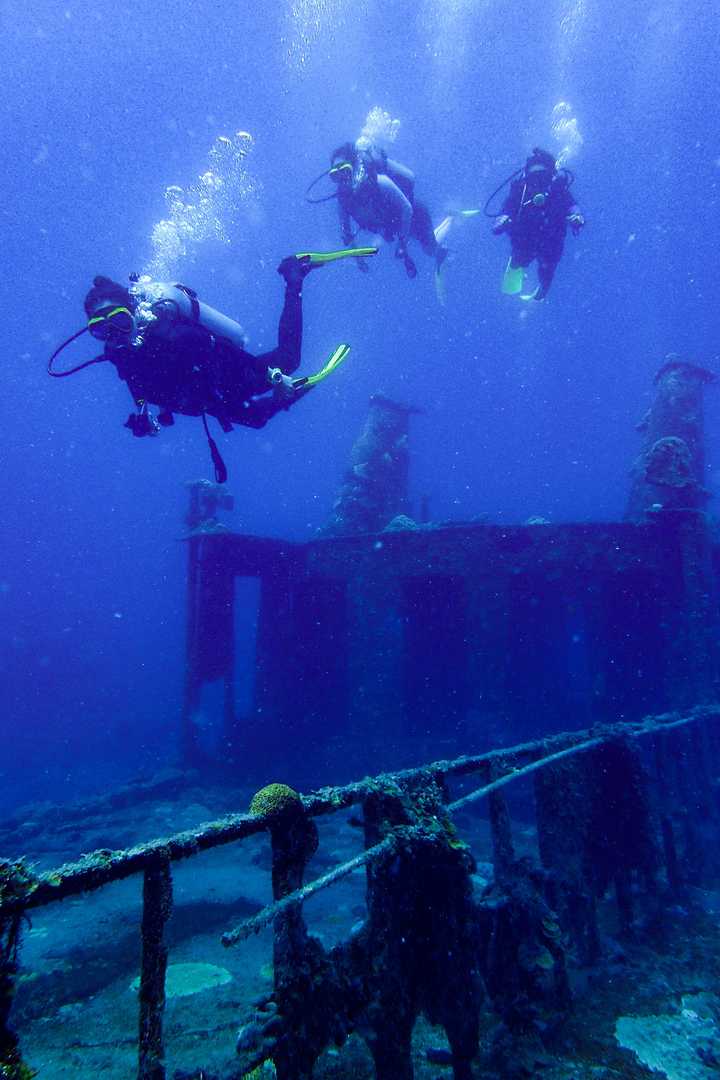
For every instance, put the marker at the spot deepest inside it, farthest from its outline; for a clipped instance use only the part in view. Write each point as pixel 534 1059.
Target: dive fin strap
pixel 319 258
pixel 335 360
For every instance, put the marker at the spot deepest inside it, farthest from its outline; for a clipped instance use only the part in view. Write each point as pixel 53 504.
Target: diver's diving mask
pixel 110 322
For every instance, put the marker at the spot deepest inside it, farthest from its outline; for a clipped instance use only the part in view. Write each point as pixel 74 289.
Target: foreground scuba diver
pixel 179 354
pixel 378 195
pixel 536 214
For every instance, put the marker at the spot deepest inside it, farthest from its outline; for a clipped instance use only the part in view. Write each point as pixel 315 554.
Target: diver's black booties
pixel 295 269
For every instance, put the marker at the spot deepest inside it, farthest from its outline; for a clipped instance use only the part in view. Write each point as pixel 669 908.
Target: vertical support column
pixel 375 487
pixel 392 902
pixel 487 628
pixel 206 501
pixel 563 805
pixel 500 827
pixel 692 609
pixel 157 906
pixel 193 683
pixel 375 666
pixel 275 684
pixel 296 960
pixel 668 487
pixel 669 472
pixel 13 884
pixel 666 799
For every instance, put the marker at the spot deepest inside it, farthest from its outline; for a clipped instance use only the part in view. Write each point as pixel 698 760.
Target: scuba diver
pixel 179 354
pixel 378 195
pixel 536 214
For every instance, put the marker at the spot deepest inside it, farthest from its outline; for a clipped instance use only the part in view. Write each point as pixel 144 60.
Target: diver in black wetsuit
pixel 536 214
pixel 178 353
pixel 378 194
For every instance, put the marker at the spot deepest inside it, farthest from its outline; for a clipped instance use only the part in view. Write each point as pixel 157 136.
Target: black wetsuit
pixel 381 199
pixel 183 368
pixel 538 232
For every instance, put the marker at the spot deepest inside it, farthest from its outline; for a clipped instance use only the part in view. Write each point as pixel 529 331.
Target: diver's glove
pixel 501 224
pixel 283 386
pixel 142 423
pixel 576 222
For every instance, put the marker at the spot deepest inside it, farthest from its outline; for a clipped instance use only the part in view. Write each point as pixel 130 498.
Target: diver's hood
pixel 106 293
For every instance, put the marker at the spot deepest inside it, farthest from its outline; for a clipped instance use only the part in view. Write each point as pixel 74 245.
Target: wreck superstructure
pixel 382 630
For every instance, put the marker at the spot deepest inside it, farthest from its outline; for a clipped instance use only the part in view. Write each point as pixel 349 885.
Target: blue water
pixel 528 410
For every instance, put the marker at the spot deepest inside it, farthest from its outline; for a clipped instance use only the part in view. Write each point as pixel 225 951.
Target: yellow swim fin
pixel 512 281
pixel 334 362
pixel 319 258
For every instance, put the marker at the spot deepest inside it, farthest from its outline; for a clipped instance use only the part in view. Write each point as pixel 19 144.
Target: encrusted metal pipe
pixel 157 906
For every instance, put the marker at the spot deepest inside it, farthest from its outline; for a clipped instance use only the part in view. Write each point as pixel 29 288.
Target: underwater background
pixel 527 409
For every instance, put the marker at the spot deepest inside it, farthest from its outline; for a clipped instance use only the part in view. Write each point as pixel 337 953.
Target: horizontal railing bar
pixel 648 726
pixel 255 923
pixel 516 774
pixel 329 800
pixel 102 867
pixel 262 918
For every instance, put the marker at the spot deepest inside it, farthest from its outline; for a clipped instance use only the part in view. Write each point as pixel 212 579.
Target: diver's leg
pixel 289 347
pixel 402 176
pixel 422 229
pixel 400 207
pixel 521 254
pixel 290 330
pixel 520 257
pixel 397 212
pixel 548 256
pixel 546 272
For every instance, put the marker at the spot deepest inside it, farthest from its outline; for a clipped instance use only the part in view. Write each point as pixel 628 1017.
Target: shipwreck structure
pixel 627 816
pixel 383 629
pixel 384 633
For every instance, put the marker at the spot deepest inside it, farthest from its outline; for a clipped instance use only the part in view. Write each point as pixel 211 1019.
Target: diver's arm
pixel 513 199
pixel 346 229
pixel 256 412
pixel 574 217
pixel 142 422
pixel 510 209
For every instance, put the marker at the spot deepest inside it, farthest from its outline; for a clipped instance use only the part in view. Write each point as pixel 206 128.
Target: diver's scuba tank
pixel 164 303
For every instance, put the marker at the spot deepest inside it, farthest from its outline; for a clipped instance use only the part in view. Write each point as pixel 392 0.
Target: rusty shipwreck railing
pixel 605 816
